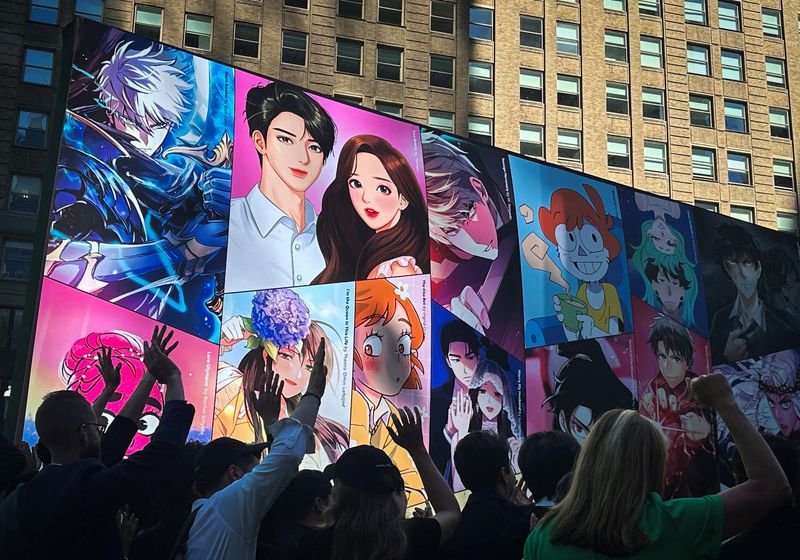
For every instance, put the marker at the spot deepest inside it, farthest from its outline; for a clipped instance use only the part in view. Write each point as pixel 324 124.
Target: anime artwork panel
pixel 323 192
pixel 668 356
pixel 754 306
pixel 571 384
pixel 475 385
pixel 574 270
pixel 663 262
pixel 391 365
pixel 767 391
pixel 281 329
pixel 142 189
pixel 71 330
pixel 475 267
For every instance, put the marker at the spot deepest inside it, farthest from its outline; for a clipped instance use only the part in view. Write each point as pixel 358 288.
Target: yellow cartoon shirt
pixel 610 308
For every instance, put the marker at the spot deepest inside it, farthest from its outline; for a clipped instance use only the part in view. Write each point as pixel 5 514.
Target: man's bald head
pixel 61 424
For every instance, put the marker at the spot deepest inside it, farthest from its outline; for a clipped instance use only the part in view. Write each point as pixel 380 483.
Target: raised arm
pixel 766 487
pixel 111 379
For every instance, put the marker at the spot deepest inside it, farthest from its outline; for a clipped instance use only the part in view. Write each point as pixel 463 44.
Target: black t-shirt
pixel 423 541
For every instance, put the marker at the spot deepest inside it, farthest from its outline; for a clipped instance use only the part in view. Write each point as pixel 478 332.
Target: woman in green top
pixel 614 509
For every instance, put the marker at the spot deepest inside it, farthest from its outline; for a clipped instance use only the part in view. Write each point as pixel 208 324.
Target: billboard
pixel 492 291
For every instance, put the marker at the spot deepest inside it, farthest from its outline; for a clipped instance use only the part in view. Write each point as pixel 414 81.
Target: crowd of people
pixel 75 495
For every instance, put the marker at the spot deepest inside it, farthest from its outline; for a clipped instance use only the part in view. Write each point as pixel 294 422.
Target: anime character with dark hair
pixel 747 327
pixel 667 400
pixel 782 285
pixel 373 220
pixel 293 136
pixel 585 387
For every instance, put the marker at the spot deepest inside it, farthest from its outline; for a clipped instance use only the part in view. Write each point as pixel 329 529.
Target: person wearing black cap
pixel 237 490
pixel 365 519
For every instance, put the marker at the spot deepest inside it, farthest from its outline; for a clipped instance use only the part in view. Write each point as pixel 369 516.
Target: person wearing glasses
pixel 68 510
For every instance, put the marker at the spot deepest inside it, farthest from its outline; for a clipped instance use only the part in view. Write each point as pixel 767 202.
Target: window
pixel 742 213
pixel 530 32
pixel 92 9
pixel 695 11
pixel 655 156
pixel 441 71
pixel 771 22
pixel 619 152
pixel 616 5
pixel 653 104
pixel 531 140
pixel 787 222
pixel 783 173
pixel 390 12
pixel 480 77
pixel 247 39
pixel 348 56
pixel 44 11
pixel 738 168
pixel 16 259
pixel 295 45
pixel 351 99
pixel 651 52
pixel 479 129
pixel 779 122
pixel 735 115
pixel 732 65
pixel 776 72
pixel 441 120
pixel 390 63
pixel 38 67
pixel 10 327
pixel 698 59
pixel 388 108
pixel 617 98
pixel 710 206
pixel 25 193
pixel 530 85
pixel 569 144
pixel 147 22
pixel 650 7
pixel 704 163
pixel 198 32
pixel 616 46
pixel 31 129
pixel 568 38
pixel 296 3
pixel 351 9
pixel 443 17
pixel 729 16
pixel 569 90
pixel 481 24
pixel 701 111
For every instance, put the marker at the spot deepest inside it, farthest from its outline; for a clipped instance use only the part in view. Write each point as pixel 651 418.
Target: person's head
pixel 78 371
pixel 621 463
pixel 461 214
pixel 144 92
pixel 779 383
pixel 544 459
pixel 482 460
pixel 67 425
pixel 671 344
pixel 784 450
pixel 581 230
pixel 302 502
pixel 739 255
pixel 373 211
pixel 224 461
pixel 388 335
pixel 367 506
pixel 459 346
pixel 291 132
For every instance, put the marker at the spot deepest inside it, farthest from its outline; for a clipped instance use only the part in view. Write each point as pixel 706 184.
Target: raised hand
pixel 266 398
pixel 462 415
pixel 233 330
pixel 156 356
pixel 127 523
pixel 109 373
pixel 406 429
pixel 712 390
pixel 319 373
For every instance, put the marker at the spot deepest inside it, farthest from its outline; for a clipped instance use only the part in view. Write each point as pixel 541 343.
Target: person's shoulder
pixel 423 534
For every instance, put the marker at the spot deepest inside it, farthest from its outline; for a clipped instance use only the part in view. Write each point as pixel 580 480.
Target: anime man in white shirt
pixel 273 238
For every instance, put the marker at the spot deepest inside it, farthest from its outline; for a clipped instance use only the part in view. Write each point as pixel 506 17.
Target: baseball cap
pixel 368 469
pixel 216 456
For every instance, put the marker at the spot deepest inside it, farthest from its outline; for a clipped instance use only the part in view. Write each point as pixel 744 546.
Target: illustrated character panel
pixel 71 331
pixel 142 187
pixel 573 268
pixel 474 251
pixel 281 330
pixel 329 192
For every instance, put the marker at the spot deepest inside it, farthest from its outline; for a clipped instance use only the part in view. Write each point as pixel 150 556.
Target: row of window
pixel 46 11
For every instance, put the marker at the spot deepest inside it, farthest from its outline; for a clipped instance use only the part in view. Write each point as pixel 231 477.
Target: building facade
pixel 692 99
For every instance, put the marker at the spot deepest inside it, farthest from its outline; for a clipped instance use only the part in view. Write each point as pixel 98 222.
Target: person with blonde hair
pixel 614 506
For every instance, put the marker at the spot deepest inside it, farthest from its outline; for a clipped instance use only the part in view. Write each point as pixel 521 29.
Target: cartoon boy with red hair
pixel 581 230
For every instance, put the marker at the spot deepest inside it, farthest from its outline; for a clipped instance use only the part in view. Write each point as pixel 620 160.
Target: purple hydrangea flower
pixel 280 316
